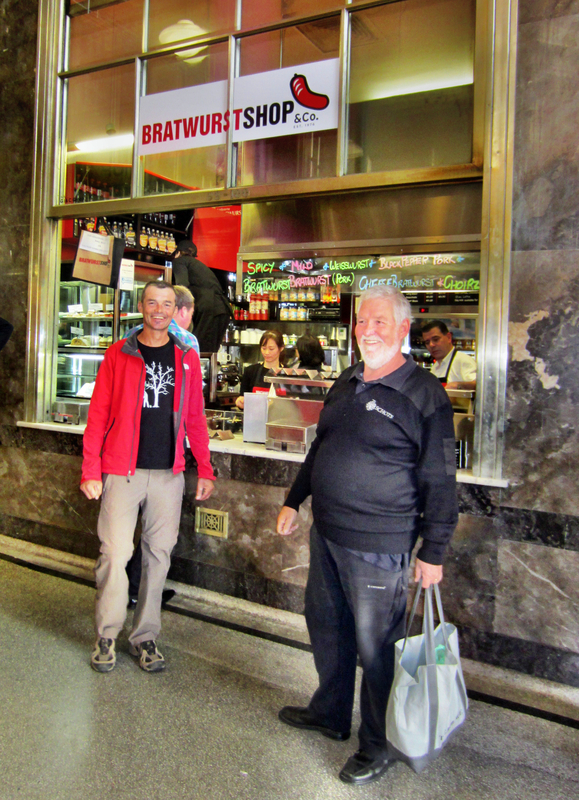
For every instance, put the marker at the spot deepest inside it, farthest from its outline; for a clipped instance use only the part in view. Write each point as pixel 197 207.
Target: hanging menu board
pixel 412 274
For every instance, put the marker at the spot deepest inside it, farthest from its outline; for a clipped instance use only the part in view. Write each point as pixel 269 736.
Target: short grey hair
pixel 400 305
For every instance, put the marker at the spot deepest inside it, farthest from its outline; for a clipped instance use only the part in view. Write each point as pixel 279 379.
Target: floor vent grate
pixel 211 522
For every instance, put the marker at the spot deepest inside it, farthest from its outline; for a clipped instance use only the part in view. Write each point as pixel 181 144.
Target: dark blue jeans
pixel 354 608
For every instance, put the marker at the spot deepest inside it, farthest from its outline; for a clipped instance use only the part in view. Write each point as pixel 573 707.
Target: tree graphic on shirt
pixel 158 380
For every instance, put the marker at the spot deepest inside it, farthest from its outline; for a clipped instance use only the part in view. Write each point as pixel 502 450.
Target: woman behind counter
pixel 272 349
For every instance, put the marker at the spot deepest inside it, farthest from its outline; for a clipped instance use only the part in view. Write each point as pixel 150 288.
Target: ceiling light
pixel 184 29
pixel 106 143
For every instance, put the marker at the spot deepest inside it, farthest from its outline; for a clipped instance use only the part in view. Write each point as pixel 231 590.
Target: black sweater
pixel 253 376
pixel 382 469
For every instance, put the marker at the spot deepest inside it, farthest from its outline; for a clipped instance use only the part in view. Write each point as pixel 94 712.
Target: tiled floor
pixel 207 727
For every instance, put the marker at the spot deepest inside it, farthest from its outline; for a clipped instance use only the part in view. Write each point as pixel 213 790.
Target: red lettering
pixel 157 132
pixel 177 124
pixel 205 124
pixel 190 127
pixel 168 131
pixel 237 112
pixel 216 123
pixel 226 122
pixel 146 134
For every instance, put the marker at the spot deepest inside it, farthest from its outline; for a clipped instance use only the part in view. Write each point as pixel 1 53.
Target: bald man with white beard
pixel 381 473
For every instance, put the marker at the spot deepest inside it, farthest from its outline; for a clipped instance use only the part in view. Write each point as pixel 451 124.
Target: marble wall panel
pixel 537 596
pixel 470 573
pixel 545 211
pixel 43 487
pixel 538 527
pixel 81 543
pixel 541 444
pixel 253 546
pixel 535 10
pixel 18 25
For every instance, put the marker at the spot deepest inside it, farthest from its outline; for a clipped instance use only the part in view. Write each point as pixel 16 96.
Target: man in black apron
pixel 452 367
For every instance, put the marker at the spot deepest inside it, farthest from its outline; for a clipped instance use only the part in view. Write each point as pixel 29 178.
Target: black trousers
pixel 209 330
pixel 354 608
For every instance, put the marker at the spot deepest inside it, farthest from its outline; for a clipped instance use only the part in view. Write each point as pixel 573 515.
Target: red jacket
pixel 111 438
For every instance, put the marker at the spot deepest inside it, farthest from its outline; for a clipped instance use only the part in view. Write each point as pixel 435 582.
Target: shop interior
pixel 294 296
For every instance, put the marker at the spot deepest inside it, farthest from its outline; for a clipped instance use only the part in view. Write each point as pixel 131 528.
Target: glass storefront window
pixel 411 85
pixel 170 23
pixel 303 155
pixel 202 167
pixel 255 13
pixel 99 134
pixel 104 31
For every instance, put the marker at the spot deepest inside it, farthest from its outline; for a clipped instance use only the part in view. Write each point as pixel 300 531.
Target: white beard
pixel 378 358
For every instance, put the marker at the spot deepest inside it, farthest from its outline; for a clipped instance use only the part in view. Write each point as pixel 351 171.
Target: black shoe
pixel 132 602
pixel 303 718
pixel 168 594
pixel 363 768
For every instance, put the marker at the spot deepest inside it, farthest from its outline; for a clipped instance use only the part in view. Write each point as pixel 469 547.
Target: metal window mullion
pixel 61 115
pixel 137 183
pixel 232 153
pixel 344 93
pixel 145 37
pixel 64 61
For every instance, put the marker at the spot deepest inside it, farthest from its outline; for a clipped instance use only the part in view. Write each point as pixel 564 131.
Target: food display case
pixel 90 319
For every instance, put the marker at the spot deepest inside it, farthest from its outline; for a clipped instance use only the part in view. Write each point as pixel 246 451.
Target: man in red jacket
pixel 147 398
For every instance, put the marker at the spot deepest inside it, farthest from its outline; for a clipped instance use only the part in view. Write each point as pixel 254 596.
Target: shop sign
pixel 278 103
pixel 285 101
pixel 183 119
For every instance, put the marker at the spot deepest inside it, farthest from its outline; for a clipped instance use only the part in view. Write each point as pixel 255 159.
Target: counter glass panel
pixel 170 23
pixel 412 67
pixel 299 156
pixel 255 12
pixel 201 167
pixel 99 134
pixel 104 31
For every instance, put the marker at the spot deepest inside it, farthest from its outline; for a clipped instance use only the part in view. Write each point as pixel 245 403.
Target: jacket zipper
pixel 135 418
pixel 180 410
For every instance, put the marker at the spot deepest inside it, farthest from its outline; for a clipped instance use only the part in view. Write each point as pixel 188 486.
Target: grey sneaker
pixel 103 658
pixel 150 659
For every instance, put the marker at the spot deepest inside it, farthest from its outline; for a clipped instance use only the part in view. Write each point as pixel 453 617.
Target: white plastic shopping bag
pixel 428 701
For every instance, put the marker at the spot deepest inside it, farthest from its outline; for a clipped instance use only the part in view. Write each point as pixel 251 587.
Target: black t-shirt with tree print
pixel 157 434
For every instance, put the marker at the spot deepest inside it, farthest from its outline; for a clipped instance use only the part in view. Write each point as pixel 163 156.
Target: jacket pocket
pixel 109 429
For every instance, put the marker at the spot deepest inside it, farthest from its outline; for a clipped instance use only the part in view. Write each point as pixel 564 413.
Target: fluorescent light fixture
pixel 106 143
pixel 184 29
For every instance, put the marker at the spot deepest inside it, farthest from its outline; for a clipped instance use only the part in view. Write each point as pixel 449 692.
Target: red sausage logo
pixel 304 95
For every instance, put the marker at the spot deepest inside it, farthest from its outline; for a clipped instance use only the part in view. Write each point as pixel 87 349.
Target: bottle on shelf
pixel 143 238
pixel 153 238
pixel 162 242
pixel 103 227
pixel 130 236
pixel 116 232
pixel 171 244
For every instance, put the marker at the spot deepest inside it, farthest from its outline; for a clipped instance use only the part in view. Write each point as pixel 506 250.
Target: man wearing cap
pixel 212 309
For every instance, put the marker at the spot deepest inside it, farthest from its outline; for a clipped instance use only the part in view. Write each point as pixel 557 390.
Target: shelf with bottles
pixel 321 303
pixel 148 235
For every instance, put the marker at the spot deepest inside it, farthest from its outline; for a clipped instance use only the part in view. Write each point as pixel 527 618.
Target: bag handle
pixel 428 628
pixel 427 596
pixel 412 612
